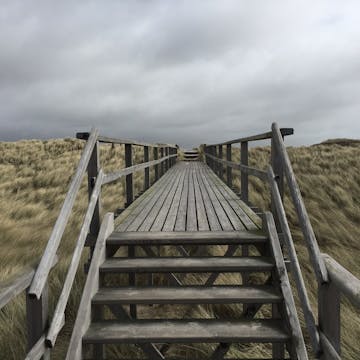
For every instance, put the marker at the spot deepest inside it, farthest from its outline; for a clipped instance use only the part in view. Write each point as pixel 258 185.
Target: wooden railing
pixel 332 278
pixel 42 335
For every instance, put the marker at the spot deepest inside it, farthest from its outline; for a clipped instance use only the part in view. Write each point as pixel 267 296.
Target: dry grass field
pixel 34 177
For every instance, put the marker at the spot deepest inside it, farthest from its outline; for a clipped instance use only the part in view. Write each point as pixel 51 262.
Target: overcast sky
pixel 184 72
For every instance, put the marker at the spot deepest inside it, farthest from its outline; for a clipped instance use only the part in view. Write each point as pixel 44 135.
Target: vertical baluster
pixel 228 169
pixel 156 156
pixel 147 170
pixel 129 178
pixel 220 165
pixel 244 160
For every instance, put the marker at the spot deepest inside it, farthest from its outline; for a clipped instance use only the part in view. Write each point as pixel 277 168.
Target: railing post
pixel 156 167
pixel 228 169
pixel 278 168
pixel 162 163
pixel 220 165
pixel 244 160
pixel 37 318
pixel 147 170
pixel 129 178
pixel 167 161
pixel 329 313
pixel 93 171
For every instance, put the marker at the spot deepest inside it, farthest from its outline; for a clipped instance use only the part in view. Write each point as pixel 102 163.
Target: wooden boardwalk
pixel 189 197
pixel 190 207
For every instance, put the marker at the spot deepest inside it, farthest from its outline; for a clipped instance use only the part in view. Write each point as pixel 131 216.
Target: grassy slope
pixel 34 176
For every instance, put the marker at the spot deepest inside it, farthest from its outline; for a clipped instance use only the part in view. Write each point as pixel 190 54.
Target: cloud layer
pixel 186 72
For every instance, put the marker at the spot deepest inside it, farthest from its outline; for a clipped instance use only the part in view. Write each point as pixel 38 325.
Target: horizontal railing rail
pixel 331 277
pixel 35 281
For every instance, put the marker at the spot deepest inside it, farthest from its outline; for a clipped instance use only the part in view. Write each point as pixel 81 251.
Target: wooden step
pixel 186 238
pixel 188 295
pixel 188 265
pixel 186 331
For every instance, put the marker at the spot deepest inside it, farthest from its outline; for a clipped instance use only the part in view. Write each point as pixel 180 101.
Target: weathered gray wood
pixel 131 213
pixel 83 317
pixel 171 216
pixel 244 179
pixel 188 295
pixel 39 350
pixel 184 331
pixel 225 222
pixel 264 136
pixel 202 219
pixel 162 172
pixel 298 344
pixel 109 140
pixel 191 216
pixel 231 214
pixel 156 167
pixel 329 353
pixel 93 171
pixel 329 313
pixel 220 167
pixel 236 204
pixel 180 224
pixel 228 168
pixel 186 238
pixel 130 170
pixel 37 314
pixel 190 264
pixel 147 170
pixel 146 210
pixel 47 259
pixel 129 178
pixel 56 323
pixel 209 207
pixel 15 286
pixel 161 217
pixel 247 170
pixel 305 224
pixel 294 263
pixel 345 281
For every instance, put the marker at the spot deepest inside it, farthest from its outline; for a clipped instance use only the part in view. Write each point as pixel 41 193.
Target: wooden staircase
pixel 281 328
pixel 191 155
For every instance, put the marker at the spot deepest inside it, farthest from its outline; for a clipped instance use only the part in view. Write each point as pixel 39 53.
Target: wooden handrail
pixel 305 224
pixel 131 169
pixel 263 136
pixel 109 140
pixel 47 259
pixel 56 323
pixel 344 280
pixel 247 169
pixel 294 263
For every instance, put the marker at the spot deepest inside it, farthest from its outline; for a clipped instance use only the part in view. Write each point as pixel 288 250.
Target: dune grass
pixel 34 178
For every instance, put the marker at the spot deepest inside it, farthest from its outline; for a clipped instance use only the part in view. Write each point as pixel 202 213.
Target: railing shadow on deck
pixel 42 335
pixel 333 280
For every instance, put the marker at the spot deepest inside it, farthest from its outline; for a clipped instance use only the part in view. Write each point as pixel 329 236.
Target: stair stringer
pixel 297 348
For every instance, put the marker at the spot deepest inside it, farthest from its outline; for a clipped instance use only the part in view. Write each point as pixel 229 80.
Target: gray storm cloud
pixel 184 72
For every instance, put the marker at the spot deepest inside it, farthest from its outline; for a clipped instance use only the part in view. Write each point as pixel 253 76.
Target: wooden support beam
pixel 228 168
pixel 244 160
pixel 220 166
pixel 147 170
pixel 129 177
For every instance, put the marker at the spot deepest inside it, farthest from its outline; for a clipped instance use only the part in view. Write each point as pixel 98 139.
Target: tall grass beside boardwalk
pixel 34 178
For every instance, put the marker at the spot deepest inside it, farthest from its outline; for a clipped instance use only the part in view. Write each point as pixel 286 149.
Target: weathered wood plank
pixel 172 214
pixel 224 294
pixel 47 259
pixel 56 323
pixel 305 224
pixel 190 264
pixel 297 342
pixel 191 216
pixel 83 317
pixel 180 224
pixel 184 331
